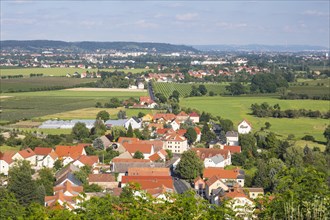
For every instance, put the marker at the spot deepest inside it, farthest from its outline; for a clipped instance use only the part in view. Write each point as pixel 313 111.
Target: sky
pixel 277 22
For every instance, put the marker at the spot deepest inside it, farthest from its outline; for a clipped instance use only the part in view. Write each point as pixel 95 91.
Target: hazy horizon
pixel 275 23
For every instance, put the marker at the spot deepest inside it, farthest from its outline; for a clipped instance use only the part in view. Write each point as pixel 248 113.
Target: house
pixel 135 122
pixel 199 134
pixel 239 203
pixel 199 184
pixel 175 124
pixel 175 143
pixel 6 162
pixel 140 85
pixel 182 116
pixel 115 123
pixel 229 177
pixel 213 157
pixel 146 149
pixel 62 201
pixel 194 117
pixel 69 177
pixel 163 118
pixel 26 154
pixel 45 157
pixel 244 127
pixel 232 138
pixel 68 189
pixel 70 153
pixel 106 181
pixel 85 160
pixel 65 170
pixel 149 171
pixel 121 165
pixel 254 192
pixel 146 101
pixel 149 182
pixel 104 140
pixel 213 186
pixel 147 118
pixel 232 149
pixel 159 156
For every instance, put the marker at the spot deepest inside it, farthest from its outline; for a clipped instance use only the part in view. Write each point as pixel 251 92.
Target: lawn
pixel 4 148
pixel 238 108
pixel 57 71
pixel 29 105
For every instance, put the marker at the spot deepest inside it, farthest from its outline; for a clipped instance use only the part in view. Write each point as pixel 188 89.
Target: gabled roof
pixel 231 134
pixel 149 182
pixel 221 173
pixel 233 149
pixel 203 153
pixel 162 130
pixel 246 122
pixel 133 147
pixel 127 160
pixel 212 180
pixel 198 131
pixel 158 144
pixel 122 167
pixel 217 159
pixel 101 178
pixel 7 156
pixel 67 200
pixel 182 113
pixel 125 155
pixel 121 140
pixel 148 171
pixel 68 187
pixel 26 153
pixel 53 155
pixel 181 132
pixel 256 190
pixel 166 117
pixel 154 157
pixel 69 177
pixel 174 137
pixel 88 160
pixel 44 151
pixel 65 170
pixel 193 114
pixel 70 151
pixel 156 125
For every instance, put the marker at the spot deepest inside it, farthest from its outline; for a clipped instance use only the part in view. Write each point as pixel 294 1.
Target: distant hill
pixel 260 47
pixel 91 46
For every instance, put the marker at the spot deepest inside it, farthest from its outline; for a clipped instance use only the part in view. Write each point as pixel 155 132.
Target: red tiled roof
pixel 148 171
pixel 198 131
pixel 92 178
pixel 220 172
pixel 167 116
pixel 7 156
pixel 149 182
pixel 133 147
pixel 246 122
pixel 182 113
pixel 174 137
pixel 26 153
pixel 69 151
pixel 193 114
pixel 121 140
pixel 53 155
pixel 146 99
pixel 127 160
pixel 42 150
pixel 88 160
pixel 233 149
pixel 156 125
pixel 154 157
pixel 203 153
pixel 162 130
pixel 181 132
pixel 68 187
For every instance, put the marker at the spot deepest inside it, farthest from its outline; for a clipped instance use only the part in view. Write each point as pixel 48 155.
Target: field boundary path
pixel 151 91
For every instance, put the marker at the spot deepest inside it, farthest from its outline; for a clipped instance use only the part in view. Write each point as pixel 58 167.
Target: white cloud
pixel 315 13
pixel 17 21
pixel 186 16
pixel 145 24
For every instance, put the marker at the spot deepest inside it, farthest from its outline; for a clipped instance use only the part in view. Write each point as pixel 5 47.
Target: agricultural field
pixel 185 88
pixel 238 108
pixel 311 87
pixel 30 105
pixel 35 83
pixel 4 148
pixel 57 71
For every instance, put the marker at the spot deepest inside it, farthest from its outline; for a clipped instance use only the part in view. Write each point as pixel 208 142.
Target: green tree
pixel 21 184
pixel 2 139
pixel 267 124
pixel 9 206
pixel 207 135
pixel 58 164
pixel 190 166
pixel 129 132
pixel 235 88
pixel 294 156
pixel 79 131
pixel 326 133
pixel 138 155
pixel 83 173
pixel 121 114
pixel 202 89
pixel 175 95
pixel 169 154
pixel 226 125
pixel 191 135
pixel 46 178
pixel 141 115
pixel 99 128
pixel 103 115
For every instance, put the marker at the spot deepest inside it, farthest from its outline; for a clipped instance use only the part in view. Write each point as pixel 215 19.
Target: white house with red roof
pixel 70 153
pixel 194 117
pixel 85 160
pixel 146 149
pixel 175 143
pixel 6 162
pixel 26 154
pixel 244 127
pixel 45 157
pixel 175 124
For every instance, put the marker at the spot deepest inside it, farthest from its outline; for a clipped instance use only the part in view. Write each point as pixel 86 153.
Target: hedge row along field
pixel 185 88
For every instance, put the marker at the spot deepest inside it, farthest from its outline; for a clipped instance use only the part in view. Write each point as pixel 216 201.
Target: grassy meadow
pixel 28 105
pixel 57 71
pixel 238 108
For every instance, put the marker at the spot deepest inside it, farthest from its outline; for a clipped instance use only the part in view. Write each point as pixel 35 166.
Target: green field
pixel 57 71
pixel 29 105
pixel 238 108
pixel 29 84
pixel 185 88
pixel 4 148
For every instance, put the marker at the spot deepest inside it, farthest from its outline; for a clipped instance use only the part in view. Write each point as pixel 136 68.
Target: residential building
pixel 213 157
pixel 229 177
pixel 232 138
pixel 6 162
pixel 70 153
pixel 244 127
pixel 194 117
pixel 175 143
pixel 106 181
pixel 26 154
pixel 149 171
pixel 135 122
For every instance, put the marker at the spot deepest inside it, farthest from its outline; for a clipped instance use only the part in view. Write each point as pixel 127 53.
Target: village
pixel 152 163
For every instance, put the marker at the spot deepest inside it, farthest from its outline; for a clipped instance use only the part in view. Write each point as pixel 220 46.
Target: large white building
pixel 244 127
pixel 175 143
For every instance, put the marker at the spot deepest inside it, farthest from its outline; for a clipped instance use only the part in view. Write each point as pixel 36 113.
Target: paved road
pixel 180 186
pixel 151 92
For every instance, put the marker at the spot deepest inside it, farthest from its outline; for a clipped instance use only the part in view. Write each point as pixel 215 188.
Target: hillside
pixel 92 46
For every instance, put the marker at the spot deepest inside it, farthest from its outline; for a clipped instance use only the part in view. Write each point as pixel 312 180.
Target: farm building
pixel 61 124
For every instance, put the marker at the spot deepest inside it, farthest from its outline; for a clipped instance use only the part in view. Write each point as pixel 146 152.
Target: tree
pixel 2 139
pixel 9 206
pixel 175 95
pixel 129 132
pixel 46 178
pixel 226 125
pixel 207 134
pixel 99 128
pixel 161 97
pixel 236 88
pixel 202 89
pixel 103 115
pixel 326 133
pixel 121 114
pixel 79 131
pixel 58 164
pixel 169 154
pixel 21 184
pixel 138 155
pixel 294 156
pixel 98 144
pixel 141 115
pixel 191 135
pixel 267 124
pixel 190 166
